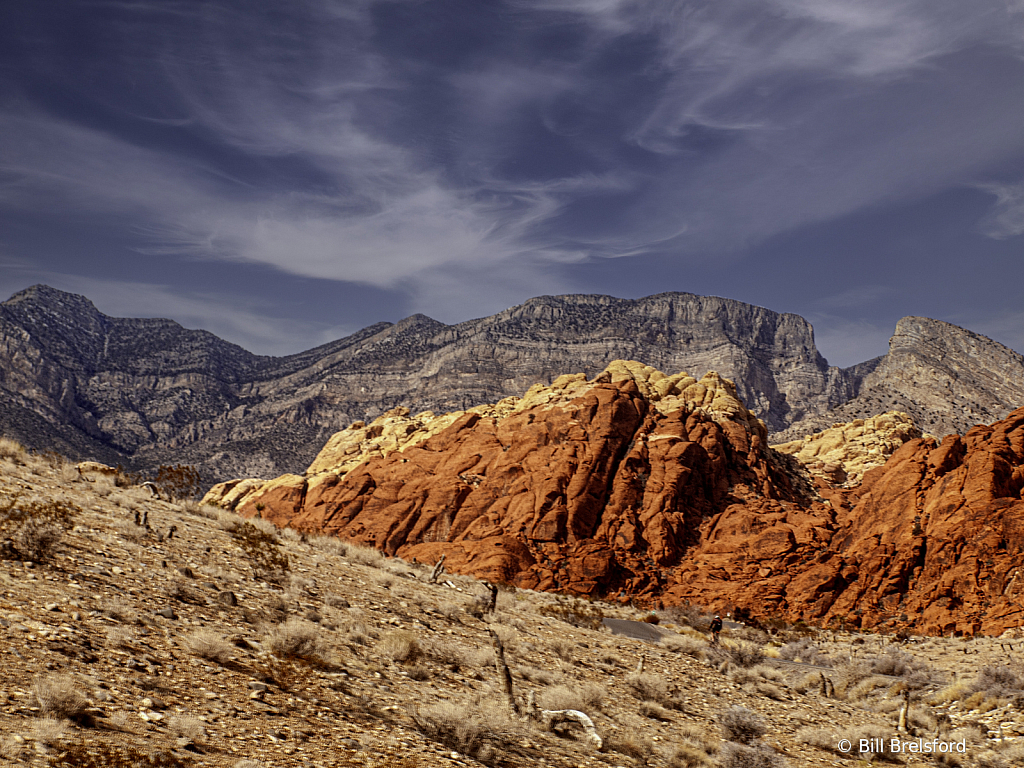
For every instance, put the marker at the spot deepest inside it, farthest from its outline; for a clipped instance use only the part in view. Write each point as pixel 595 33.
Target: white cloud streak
pixel 809 95
pixel 1006 219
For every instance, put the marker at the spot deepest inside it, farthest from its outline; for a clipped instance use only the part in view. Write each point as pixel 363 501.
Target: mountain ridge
pixel 147 391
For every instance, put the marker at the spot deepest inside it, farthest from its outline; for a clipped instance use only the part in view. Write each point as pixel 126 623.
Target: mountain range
pixel 142 392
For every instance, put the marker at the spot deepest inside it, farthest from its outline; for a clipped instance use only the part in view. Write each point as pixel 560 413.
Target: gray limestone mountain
pixel 144 391
pixel 946 378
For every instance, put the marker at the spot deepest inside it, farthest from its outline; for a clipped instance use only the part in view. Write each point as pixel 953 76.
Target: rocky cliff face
pixel 149 391
pixel 146 392
pixel 946 378
pixel 661 488
pixel 587 486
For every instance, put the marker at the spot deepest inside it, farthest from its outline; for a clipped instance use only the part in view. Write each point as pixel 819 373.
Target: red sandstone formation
pixel 614 491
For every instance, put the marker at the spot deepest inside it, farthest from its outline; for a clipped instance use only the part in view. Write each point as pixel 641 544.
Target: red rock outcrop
pixel 662 489
pixel 597 491
pixel 932 540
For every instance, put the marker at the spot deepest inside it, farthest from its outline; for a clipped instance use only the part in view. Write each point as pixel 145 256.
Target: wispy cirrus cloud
pixel 1006 219
pixel 464 156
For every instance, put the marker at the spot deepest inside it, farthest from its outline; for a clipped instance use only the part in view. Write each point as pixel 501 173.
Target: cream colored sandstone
pixel 844 452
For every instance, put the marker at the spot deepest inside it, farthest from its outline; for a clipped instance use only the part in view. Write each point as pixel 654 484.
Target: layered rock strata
pixel 145 392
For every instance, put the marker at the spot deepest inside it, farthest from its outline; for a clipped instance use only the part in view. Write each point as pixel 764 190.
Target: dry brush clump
pixel 208 644
pixel 647 687
pixel 297 639
pixel 400 647
pixel 735 652
pixel 58 697
pixel 804 650
pixel 31 528
pixel 262 550
pixel 12 450
pixel 578 613
pixel 362 555
pixel 741 725
pixel 743 756
pixel 480 730
pixel 696 748
pixel 587 698
pixel 636 746
pixel 689 615
pixel 685 645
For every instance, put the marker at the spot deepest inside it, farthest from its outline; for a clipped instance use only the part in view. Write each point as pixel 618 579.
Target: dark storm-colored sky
pixel 283 174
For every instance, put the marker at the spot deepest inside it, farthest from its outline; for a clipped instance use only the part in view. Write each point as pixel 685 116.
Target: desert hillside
pixel 141 631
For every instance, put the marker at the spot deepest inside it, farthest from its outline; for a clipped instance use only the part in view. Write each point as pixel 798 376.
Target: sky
pixel 284 174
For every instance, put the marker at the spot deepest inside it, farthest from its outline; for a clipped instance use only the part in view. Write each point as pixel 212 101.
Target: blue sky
pixel 283 174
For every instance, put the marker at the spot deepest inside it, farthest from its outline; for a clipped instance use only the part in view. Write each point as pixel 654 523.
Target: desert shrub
pixel 12 450
pixel 187 727
pixel 695 734
pixel 534 675
pixel 82 755
pixel 648 687
pixel 562 649
pixel 636 746
pixel 737 652
pixel 822 738
pixel 400 646
pixel 997 681
pixel 419 672
pixel 687 755
pixel 480 731
pixel 893 662
pixel 50 732
pixel 809 682
pixel 688 646
pixel 209 645
pixel 586 698
pixel 982 701
pixel 263 552
pixel 742 756
pixel 741 725
pixel 365 555
pixel 578 614
pixel 131 532
pixel 329 545
pixel 58 696
pixel 34 526
pixel 654 711
pixel 866 687
pixel 178 482
pixel 881 735
pixel 690 615
pixel 651 618
pixel 358 634
pixel 297 639
pixel 806 651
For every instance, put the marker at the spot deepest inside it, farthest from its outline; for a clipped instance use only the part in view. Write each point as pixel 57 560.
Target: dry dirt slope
pixel 122 639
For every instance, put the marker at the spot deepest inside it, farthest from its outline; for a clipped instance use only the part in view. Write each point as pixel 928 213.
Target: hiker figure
pixel 716 627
